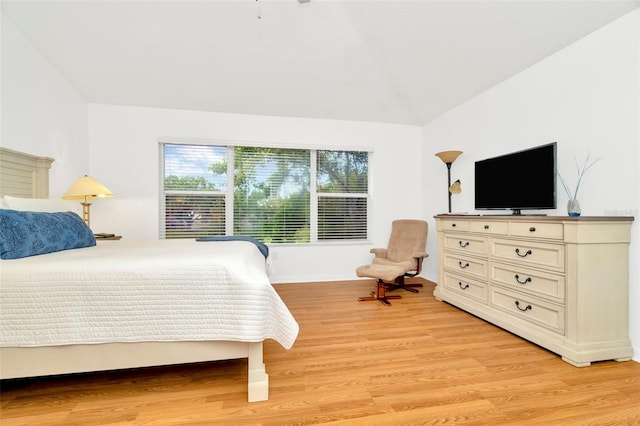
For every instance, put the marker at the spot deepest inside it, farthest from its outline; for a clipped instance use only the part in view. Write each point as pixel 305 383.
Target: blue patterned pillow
pixel 24 233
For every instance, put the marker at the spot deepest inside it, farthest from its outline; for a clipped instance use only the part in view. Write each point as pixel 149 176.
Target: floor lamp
pixel 448 157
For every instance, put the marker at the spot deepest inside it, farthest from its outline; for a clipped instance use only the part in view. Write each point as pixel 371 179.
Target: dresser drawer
pixel 466 287
pixel 466 265
pixel 489 227
pixel 545 255
pixel 455 225
pixel 538 283
pixel 472 244
pixel 528 308
pixel 537 230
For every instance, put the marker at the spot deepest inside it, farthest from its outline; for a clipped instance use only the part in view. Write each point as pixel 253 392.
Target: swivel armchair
pixel 401 259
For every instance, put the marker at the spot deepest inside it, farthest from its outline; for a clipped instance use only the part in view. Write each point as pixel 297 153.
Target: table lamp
pixel 85 188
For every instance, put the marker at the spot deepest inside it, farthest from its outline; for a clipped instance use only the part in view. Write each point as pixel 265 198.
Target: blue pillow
pixel 24 233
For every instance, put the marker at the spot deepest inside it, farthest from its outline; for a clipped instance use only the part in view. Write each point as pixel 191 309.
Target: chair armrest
pixel 420 255
pixel 379 252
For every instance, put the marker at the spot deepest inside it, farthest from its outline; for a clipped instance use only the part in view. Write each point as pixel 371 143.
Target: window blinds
pixel 277 195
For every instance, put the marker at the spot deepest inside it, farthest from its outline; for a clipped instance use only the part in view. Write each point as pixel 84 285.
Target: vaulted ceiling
pixel 392 61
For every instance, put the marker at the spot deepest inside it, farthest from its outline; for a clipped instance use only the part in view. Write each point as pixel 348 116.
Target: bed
pixel 130 304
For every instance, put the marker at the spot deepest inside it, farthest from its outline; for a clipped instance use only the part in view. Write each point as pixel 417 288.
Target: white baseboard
pixel 285 279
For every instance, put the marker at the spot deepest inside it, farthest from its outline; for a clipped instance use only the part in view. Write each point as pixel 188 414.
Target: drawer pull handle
pixel 466 286
pixel 453 225
pixel 527 308
pixel 523 255
pixel 486 227
pixel 517 277
pixel 532 229
pixel 465 266
pixel 463 245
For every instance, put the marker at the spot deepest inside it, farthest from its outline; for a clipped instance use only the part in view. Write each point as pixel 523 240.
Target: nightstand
pixel 106 236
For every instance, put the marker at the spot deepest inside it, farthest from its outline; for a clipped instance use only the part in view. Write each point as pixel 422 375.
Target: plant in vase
pixel 573 206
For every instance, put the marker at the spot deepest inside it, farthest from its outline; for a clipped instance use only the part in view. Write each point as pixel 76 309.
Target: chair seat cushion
pixel 382 272
pixel 406 265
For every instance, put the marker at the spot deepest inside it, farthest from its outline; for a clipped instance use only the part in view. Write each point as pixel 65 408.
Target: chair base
pixel 380 295
pixel 403 286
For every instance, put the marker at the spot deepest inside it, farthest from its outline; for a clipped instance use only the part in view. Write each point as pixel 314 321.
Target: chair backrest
pixel 408 236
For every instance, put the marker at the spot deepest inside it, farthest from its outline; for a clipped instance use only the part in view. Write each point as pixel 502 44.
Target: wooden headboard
pixel 24 175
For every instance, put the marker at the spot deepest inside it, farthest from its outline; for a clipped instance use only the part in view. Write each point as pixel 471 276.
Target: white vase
pixel 573 208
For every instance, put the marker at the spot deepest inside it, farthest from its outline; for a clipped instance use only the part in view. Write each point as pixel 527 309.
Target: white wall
pixel 585 97
pixel 124 157
pixel 41 112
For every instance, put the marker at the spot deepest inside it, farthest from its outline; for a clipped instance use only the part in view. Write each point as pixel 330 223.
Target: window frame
pixel 228 195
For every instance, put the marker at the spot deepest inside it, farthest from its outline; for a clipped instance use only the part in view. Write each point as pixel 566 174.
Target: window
pixel 277 195
pixel 194 191
pixel 271 194
pixel 342 182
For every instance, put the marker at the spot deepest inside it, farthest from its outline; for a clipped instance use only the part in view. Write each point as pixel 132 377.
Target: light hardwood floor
pixel 419 361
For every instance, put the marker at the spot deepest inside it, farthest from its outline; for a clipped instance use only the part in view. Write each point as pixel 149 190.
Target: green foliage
pixel 343 171
pixel 271 195
pixel 188 183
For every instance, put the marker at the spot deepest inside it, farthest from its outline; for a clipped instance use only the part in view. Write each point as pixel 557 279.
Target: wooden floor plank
pixel 418 361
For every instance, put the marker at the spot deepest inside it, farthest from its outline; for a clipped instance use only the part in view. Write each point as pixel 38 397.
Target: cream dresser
pixel 560 282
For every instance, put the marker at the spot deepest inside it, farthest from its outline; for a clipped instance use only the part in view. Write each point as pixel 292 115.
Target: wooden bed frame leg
pixel 258 377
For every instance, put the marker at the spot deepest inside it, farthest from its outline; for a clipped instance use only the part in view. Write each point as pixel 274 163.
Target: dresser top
pixel 537 218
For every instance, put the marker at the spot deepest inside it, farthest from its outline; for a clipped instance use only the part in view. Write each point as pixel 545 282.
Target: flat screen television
pixel 522 180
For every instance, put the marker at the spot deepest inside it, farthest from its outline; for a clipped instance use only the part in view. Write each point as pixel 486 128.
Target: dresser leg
pixel 575 363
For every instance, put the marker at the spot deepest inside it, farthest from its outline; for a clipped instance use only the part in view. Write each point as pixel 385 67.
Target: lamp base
pixel 85 212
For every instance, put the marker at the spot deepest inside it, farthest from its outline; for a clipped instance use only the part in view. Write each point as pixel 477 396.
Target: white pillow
pixel 49 205
pixel 3 203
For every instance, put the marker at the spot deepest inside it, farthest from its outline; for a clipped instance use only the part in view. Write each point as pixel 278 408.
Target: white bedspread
pixel 141 291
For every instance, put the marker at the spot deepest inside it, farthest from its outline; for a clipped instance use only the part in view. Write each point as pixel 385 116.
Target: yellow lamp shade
pixel 86 187
pixel 455 187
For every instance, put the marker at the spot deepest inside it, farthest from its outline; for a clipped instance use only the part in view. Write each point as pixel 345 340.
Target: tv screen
pixel 517 181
